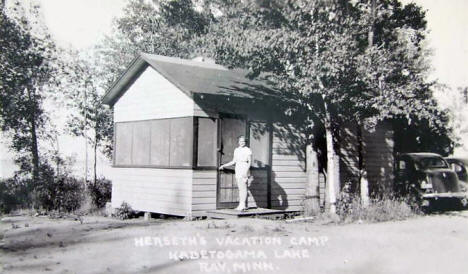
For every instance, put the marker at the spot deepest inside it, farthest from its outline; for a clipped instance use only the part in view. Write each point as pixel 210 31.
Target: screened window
pixel 259 143
pixel 181 148
pixel 166 143
pixel 160 142
pixel 123 143
pixel 141 143
pixel 207 145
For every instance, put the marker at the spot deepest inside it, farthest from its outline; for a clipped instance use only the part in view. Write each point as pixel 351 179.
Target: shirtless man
pixel 242 159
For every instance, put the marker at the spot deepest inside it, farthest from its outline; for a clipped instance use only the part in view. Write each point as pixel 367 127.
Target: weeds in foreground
pixel 351 209
pixel 124 212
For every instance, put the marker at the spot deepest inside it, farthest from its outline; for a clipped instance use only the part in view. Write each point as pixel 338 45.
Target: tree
pixel 84 92
pixel 164 27
pixel 28 64
pixel 360 61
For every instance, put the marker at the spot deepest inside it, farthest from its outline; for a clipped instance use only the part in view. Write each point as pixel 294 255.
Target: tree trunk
pixel 33 131
pixel 95 156
pixel 312 197
pixel 370 34
pixel 331 172
pixel 363 180
pixel 34 150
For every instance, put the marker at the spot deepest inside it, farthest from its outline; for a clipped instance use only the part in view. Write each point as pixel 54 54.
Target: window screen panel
pixel 207 145
pixel 123 143
pixel 141 143
pixel 160 142
pixel 259 143
pixel 181 142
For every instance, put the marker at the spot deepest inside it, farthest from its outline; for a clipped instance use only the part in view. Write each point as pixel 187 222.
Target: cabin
pixel 176 121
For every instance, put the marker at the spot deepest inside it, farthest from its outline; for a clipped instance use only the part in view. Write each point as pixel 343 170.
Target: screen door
pixel 230 130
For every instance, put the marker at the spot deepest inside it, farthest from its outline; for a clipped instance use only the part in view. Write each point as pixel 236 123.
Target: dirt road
pixel 429 244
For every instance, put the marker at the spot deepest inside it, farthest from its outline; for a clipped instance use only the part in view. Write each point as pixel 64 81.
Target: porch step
pixel 251 212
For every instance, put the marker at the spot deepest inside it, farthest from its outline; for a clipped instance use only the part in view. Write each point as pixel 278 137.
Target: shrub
pixel 380 209
pixel 62 193
pixel 13 194
pixel 125 211
pixel 53 189
pixel 100 192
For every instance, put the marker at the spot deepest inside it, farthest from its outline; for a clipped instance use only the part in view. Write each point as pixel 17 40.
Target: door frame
pixel 221 116
pixel 268 168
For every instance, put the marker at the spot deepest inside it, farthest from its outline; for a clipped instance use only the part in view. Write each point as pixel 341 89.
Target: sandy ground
pixel 428 244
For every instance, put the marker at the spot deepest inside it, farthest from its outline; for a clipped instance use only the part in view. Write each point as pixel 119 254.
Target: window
pixel 431 162
pixel 123 143
pixel 164 143
pixel 141 143
pixel 160 142
pixel 170 143
pixel 181 144
pixel 207 144
pixel 259 143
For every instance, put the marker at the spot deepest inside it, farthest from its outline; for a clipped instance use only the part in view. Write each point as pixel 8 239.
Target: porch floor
pixel 251 212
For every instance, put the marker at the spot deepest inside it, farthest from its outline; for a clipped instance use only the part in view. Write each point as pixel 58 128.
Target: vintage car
pixel 427 177
pixel 460 166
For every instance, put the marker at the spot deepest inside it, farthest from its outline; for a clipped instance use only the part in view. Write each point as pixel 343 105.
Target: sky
pixel 81 23
pixel 448 37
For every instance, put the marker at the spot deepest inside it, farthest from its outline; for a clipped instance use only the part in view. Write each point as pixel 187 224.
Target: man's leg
pixel 242 185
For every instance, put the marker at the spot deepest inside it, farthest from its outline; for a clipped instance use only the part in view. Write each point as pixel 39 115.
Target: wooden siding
pixel 166 191
pixel 349 155
pixel 378 157
pixel 203 191
pixel 288 171
pixel 152 97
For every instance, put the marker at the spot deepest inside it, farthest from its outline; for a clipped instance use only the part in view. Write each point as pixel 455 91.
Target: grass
pixel 379 210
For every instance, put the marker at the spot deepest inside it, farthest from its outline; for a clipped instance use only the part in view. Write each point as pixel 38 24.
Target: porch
pixel 252 213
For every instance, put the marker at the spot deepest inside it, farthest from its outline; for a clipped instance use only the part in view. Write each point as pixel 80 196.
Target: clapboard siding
pixel 166 191
pixel 349 154
pixel 377 149
pixel 288 172
pixel 204 191
pixel 378 157
pixel 152 97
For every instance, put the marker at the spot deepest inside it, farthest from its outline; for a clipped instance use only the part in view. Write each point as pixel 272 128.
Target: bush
pixel 378 210
pixel 13 194
pixel 54 189
pixel 62 193
pixel 125 211
pixel 100 192
pixel 385 208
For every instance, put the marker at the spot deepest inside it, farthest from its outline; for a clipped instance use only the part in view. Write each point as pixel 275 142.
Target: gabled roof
pixel 191 77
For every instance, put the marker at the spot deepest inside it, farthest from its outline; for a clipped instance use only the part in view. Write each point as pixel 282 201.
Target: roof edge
pixel 126 79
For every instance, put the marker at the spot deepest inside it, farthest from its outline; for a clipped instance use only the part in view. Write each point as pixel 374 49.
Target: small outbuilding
pixel 176 121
